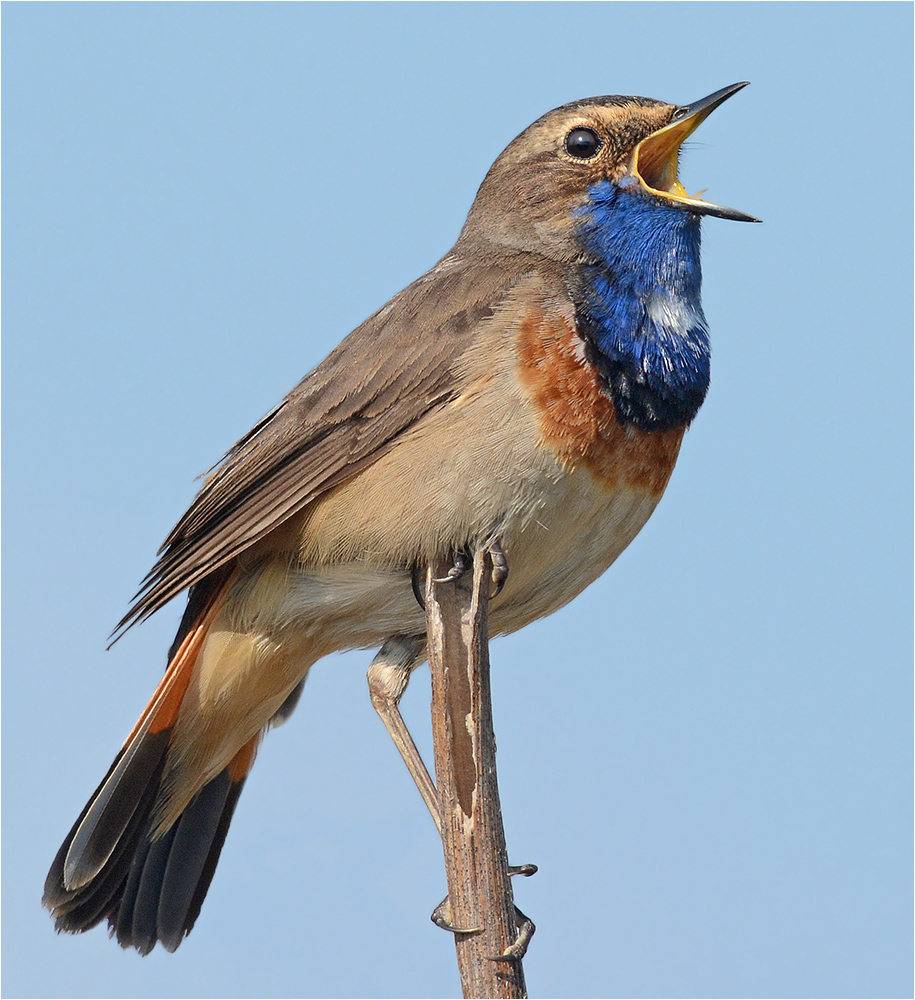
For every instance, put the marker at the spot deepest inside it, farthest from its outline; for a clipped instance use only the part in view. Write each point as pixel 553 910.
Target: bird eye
pixel 678 114
pixel 583 143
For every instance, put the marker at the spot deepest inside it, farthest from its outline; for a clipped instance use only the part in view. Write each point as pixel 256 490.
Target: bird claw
pixel 416 582
pixel 441 917
pixel 526 927
pixel 460 566
pixel 499 573
pixel 458 569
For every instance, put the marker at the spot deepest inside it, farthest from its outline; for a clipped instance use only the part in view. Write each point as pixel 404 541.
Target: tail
pixel 117 862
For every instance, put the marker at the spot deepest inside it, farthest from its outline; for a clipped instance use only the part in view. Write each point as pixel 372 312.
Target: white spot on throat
pixel 676 314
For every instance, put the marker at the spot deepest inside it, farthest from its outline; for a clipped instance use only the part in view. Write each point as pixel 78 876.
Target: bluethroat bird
pixel 529 394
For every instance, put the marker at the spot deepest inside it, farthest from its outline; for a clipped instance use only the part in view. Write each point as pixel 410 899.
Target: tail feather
pixel 143 922
pixel 109 815
pixel 209 866
pixel 169 876
pixel 194 838
pixel 110 809
pixel 82 908
pixel 56 896
pixel 120 921
pixel 151 888
pixel 117 862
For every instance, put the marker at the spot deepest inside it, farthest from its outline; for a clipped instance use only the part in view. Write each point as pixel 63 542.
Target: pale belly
pixel 576 531
pixel 580 530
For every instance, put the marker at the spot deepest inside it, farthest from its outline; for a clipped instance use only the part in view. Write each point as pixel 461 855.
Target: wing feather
pixel 399 365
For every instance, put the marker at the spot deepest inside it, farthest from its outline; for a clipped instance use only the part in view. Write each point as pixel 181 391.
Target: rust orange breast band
pixel 577 418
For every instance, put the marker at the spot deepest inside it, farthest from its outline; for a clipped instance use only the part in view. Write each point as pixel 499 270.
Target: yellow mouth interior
pixel 656 159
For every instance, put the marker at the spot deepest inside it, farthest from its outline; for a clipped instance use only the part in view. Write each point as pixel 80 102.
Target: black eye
pixel 583 143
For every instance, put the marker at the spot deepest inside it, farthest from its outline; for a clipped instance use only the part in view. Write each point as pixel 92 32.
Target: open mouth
pixel 655 159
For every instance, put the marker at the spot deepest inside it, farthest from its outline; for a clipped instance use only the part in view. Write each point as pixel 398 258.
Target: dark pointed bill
pixel 655 159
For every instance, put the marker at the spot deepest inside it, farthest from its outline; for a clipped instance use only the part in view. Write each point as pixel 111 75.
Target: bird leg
pixel 388 676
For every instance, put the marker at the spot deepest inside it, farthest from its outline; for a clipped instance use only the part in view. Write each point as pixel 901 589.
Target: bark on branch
pixel 476 861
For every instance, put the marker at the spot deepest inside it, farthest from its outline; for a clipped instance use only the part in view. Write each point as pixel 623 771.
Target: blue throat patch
pixel 639 306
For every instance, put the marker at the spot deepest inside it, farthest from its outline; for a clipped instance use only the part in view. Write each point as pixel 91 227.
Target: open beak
pixel 655 159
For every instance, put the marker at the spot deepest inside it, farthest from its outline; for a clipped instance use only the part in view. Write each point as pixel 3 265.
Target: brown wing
pixel 390 371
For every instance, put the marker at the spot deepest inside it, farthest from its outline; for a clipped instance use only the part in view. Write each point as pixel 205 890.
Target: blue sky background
pixel 708 753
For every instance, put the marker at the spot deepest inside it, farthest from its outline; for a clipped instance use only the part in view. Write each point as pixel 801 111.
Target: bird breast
pixel 529 452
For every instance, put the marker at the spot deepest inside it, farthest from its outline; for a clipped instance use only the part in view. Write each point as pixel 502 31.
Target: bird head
pixel 537 190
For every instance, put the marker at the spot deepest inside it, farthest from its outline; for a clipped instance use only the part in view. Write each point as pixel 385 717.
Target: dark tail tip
pixel 150 889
